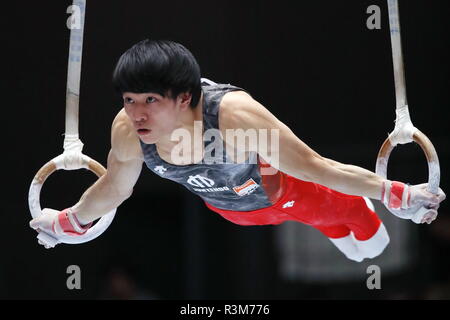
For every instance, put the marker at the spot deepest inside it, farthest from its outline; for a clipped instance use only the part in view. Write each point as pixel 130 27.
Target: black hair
pixel 160 66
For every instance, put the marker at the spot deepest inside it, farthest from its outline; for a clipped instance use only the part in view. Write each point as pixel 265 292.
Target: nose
pixel 138 114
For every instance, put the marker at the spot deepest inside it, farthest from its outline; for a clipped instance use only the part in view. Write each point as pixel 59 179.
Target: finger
pixel 433 206
pixel 434 199
pixel 34 224
pixel 46 246
pixel 432 214
pixel 425 220
pixel 426 198
pixel 429 216
pixel 430 220
pixel 441 195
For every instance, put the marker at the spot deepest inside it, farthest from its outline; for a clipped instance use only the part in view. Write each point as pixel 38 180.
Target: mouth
pixel 143 132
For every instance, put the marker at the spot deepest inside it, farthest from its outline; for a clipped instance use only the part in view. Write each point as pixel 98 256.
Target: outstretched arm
pixel 108 192
pixel 292 156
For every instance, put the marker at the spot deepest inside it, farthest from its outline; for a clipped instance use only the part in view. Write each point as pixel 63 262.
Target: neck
pixel 186 125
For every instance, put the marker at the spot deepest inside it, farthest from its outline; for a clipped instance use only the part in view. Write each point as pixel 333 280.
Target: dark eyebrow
pixel 146 94
pixel 153 94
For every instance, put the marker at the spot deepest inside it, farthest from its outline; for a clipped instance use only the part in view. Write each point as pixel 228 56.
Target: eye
pixel 150 99
pixel 128 100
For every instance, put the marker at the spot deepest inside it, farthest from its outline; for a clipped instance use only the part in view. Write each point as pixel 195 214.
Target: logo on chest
pixel 203 184
pixel 200 181
pixel 245 189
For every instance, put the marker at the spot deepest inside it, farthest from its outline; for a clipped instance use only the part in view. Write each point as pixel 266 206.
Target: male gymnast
pixel 252 183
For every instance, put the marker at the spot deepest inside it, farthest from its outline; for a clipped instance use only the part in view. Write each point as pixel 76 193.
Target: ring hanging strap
pixel 73 146
pixel 404 131
pixel 72 158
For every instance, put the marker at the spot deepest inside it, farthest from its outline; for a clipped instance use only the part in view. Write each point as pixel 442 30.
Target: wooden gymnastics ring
pixel 35 207
pixel 430 153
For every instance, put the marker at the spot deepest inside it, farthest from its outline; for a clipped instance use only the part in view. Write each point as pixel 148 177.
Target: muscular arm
pixel 363 178
pixel 239 110
pixel 123 169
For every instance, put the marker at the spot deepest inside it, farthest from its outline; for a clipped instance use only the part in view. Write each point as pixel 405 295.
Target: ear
pixel 185 99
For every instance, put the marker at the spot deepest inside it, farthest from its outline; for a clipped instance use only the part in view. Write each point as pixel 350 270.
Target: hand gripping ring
pixel 434 171
pixel 35 206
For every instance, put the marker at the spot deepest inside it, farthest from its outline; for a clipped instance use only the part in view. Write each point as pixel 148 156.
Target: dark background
pixel 314 64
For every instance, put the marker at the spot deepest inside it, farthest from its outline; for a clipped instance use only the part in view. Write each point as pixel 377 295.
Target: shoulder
pixel 238 109
pixel 234 99
pixel 234 107
pixel 124 140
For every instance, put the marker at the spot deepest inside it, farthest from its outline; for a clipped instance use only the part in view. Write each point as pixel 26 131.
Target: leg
pixel 374 246
pixel 343 239
pixel 357 250
pixel 350 222
pixel 370 244
pixel 348 247
pixel 364 237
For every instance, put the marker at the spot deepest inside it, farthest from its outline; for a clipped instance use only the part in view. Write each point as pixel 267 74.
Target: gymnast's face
pixel 154 117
